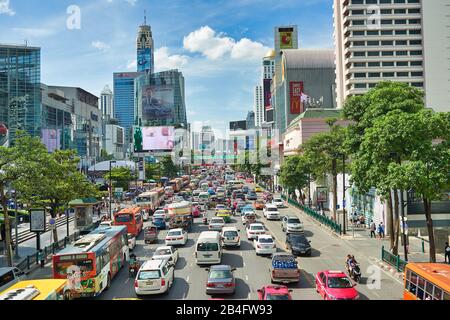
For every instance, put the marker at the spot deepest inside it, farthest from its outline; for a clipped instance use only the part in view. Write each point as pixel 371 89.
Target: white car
pixel 131 241
pixel 230 237
pixel 167 252
pixel 278 202
pixel 264 244
pixel 248 214
pixel 291 224
pixel 107 223
pixel 160 214
pixel 216 224
pixel 255 229
pixel 271 212
pixel 154 277
pixel 176 237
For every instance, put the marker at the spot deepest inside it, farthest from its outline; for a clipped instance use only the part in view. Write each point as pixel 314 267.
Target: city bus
pixel 90 263
pixel 176 184
pixel 159 196
pixel 131 218
pixel 46 289
pixel 427 281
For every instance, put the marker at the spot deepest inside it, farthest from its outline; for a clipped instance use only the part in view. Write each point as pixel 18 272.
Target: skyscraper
pixel 145 49
pixel 408 42
pixel 20 94
pixel 268 72
pixel 258 107
pixel 106 103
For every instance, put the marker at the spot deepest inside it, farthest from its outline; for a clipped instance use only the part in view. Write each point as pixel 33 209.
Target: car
pixel 166 252
pixel 245 189
pixel 230 237
pixel 248 217
pixel 220 280
pixel 220 207
pixel 271 212
pixel 176 237
pixel 278 202
pixel 255 229
pixel 240 205
pixel 298 244
pixel 154 277
pixel 259 204
pixel 274 292
pixel 290 224
pixel 264 244
pixel 258 189
pixel 247 208
pixel 216 224
pixel 335 285
pixel 162 213
pixel 252 195
pixel 131 241
pixel 196 211
pixel 107 223
pixel 249 180
pixel 159 222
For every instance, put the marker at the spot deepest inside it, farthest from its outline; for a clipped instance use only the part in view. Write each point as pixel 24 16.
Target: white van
pixel 10 276
pixel 203 197
pixel 208 249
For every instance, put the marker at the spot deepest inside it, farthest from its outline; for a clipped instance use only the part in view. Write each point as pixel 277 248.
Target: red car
pixel 335 285
pixel 249 180
pixel 274 292
pixel 195 211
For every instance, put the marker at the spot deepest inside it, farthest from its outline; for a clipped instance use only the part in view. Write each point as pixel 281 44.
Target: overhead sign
pixel 286 41
pixel 37 220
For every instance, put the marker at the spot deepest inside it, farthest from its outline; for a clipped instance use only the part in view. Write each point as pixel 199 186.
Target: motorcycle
pixel 355 272
pixel 133 269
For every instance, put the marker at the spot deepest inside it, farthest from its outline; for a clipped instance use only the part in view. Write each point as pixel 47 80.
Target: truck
pixel 284 268
pixel 180 215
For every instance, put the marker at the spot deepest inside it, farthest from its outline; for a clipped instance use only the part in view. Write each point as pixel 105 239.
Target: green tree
pixel 121 177
pixel 168 168
pixel 295 174
pixel 152 171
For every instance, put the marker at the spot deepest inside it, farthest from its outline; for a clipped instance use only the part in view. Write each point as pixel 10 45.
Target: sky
pixel 217 44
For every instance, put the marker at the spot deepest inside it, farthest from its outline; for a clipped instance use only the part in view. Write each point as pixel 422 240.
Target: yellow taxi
pixel 258 189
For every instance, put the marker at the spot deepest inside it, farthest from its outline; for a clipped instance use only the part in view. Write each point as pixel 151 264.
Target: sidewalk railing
pixel 315 215
pixel 393 260
pixel 27 263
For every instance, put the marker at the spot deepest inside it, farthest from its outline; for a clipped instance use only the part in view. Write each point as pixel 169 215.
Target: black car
pixel 298 244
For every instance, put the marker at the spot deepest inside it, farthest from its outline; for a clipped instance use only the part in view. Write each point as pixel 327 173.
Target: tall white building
pixel 258 105
pixel 107 103
pixel 397 40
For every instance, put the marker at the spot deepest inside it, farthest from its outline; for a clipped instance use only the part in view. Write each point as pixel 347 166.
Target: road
pixel 252 273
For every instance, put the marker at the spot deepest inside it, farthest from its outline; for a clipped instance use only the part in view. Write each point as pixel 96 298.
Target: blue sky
pixel 217 44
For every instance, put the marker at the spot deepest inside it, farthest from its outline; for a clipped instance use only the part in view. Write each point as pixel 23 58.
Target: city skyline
pixel 221 44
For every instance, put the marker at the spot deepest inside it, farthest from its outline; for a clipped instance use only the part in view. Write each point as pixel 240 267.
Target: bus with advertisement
pixel 131 218
pixel 149 201
pixel 427 281
pixel 176 184
pixel 90 263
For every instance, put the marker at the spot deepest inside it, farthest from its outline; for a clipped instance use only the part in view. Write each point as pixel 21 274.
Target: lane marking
pixel 187 279
pixel 246 277
pixel 244 264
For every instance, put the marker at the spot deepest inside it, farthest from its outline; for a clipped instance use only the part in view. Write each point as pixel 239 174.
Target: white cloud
pixel 5 8
pixel 35 32
pixel 131 2
pixel 214 46
pixel 132 65
pixel 165 61
pixel 100 45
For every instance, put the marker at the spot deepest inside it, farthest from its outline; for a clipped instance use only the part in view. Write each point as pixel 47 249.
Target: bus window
pixel 446 296
pixel 123 218
pixel 412 282
pixel 421 287
pixel 438 294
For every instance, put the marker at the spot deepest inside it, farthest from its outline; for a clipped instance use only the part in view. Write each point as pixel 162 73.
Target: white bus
pixel 208 249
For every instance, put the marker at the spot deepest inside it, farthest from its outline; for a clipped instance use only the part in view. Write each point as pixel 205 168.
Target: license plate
pixel 207 255
pixel 303 251
pixel 230 239
pixel 149 283
pixel 220 286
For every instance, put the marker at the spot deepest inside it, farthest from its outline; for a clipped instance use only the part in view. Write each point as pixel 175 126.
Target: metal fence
pixel 315 215
pixel 393 260
pixel 27 263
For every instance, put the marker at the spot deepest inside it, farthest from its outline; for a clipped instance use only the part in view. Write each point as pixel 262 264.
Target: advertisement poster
pixel 267 94
pixel 158 103
pixel 144 59
pixel 52 139
pixel 286 40
pixel 37 220
pixel 322 194
pixel 296 90
pixel 158 138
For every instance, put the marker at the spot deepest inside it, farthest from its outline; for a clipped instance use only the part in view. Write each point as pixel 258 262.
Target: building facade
pixel 107 103
pixel 145 49
pixel 405 41
pixel 114 141
pixel 258 106
pixel 20 94
pixel 268 75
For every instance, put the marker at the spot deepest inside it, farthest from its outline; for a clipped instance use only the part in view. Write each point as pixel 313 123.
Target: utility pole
pixel 110 188
pixel 344 216
pixel 16 252
pixel 309 190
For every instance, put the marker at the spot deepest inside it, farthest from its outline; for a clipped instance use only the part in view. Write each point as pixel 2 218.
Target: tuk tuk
pixel 150 234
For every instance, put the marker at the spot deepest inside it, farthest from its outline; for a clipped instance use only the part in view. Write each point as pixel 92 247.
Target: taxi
pixel 335 285
pixel 258 189
pixel 225 214
pixel 274 292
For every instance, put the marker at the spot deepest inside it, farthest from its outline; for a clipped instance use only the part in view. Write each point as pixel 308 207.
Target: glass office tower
pixel 20 96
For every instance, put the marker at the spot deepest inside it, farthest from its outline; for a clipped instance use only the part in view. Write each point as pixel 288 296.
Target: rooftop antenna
pixel 26 43
pixel 145 17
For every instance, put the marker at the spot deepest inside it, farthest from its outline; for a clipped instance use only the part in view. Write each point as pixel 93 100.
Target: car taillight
pixel 229 285
pixel 136 284
pixel 210 285
pixel 273 272
pixel 163 282
pixel 180 238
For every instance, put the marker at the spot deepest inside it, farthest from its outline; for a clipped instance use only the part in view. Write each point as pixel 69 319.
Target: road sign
pixel 52 223
pixel 118 190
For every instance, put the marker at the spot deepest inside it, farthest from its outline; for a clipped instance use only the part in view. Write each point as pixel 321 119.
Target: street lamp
pixel 110 187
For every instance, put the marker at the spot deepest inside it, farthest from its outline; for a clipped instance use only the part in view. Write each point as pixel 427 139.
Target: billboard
pixel 154 139
pixel 267 94
pixel 158 103
pixel 286 40
pixel 51 138
pixel 144 59
pixel 296 90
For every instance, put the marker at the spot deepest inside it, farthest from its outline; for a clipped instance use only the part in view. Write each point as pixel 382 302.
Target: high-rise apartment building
pixel 20 94
pixel 258 106
pixel 145 49
pixel 268 72
pixel 397 40
pixel 106 103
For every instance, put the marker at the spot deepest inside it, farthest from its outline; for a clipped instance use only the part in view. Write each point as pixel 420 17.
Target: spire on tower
pixel 145 17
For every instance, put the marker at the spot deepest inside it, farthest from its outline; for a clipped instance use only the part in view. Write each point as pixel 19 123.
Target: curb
pixel 388 268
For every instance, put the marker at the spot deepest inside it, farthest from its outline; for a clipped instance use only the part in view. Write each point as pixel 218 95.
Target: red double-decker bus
pixel 131 218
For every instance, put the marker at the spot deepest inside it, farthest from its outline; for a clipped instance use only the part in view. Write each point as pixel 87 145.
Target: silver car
pixel 220 280
pixel 291 224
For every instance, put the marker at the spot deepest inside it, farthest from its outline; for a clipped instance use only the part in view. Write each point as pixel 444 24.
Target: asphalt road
pixel 253 271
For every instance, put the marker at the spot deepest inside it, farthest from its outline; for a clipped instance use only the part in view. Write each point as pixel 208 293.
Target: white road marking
pixel 187 279
pixel 246 277
pixel 241 254
pixel 244 264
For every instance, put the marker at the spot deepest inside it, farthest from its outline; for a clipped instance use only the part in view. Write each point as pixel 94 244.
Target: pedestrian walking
pixel 447 252
pixel 41 258
pixel 373 228
pixel 382 229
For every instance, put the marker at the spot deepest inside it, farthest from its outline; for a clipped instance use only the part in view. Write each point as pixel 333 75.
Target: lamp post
pixel 110 187
pixel 344 217
pixel 16 231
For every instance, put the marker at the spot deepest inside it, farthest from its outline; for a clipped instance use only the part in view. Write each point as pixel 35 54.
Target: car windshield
pixel 293 220
pixel 205 246
pixel 216 221
pixel 257 227
pixel 158 219
pixel 272 209
pixel 220 274
pixel 277 297
pixel 174 233
pixel 147 275
pixel 265 240
pixel 298 239
pixel 162 252
pixel 159 212
pixel 339 283
pixel 230 234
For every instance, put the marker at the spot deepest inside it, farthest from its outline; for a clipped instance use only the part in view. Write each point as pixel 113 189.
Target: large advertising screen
pixel 296 90
pixel 158 103
pixel 154 139
pixel 51 138
pixel 144 59
pixel 286 41
pixel 267 93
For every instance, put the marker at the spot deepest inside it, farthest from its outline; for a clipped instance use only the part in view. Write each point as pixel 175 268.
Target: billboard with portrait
pixel 158 138
pixel 158 103
pixel 144 59
pixel 267 94
pixel 286 41
pixel 51 138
